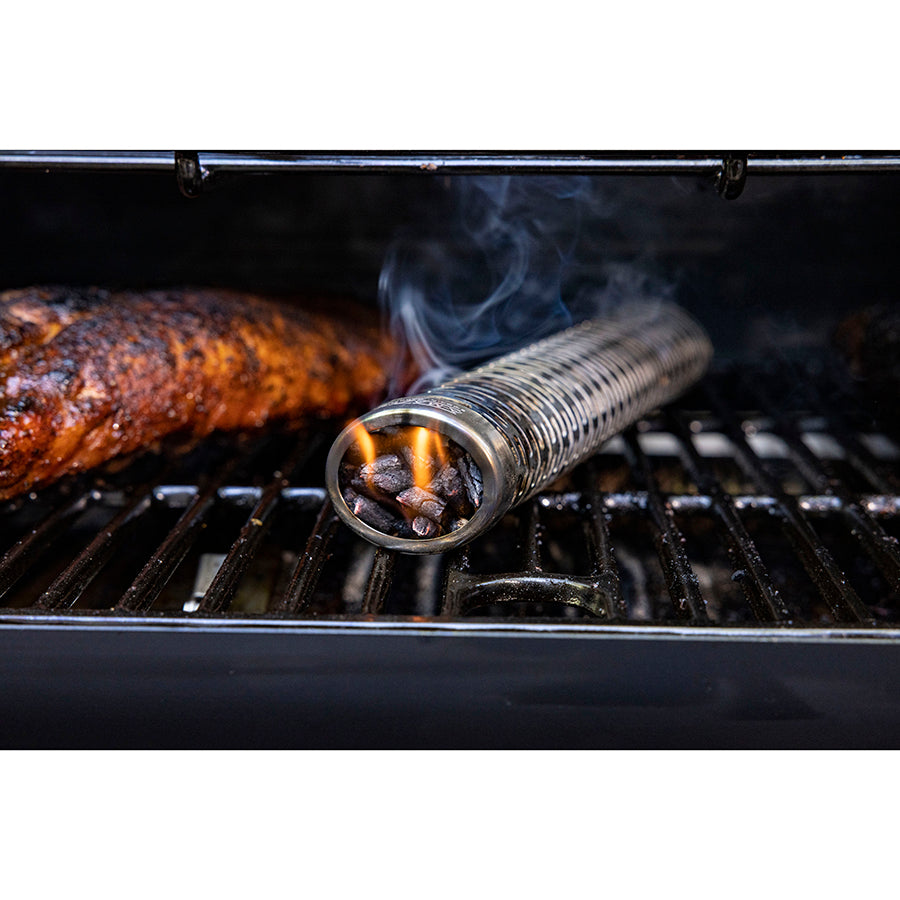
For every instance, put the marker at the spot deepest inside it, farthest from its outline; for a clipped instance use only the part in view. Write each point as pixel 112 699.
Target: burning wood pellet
pixel 425 527
pixel 410 482
pixel 388 473
pixel 422 502
pixel 471 476
pixel 373 513
pixel 448 483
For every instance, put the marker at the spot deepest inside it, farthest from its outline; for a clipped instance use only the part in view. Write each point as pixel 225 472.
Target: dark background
pixel 781 265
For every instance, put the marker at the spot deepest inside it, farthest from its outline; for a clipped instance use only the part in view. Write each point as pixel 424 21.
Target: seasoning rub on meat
pixel 88 375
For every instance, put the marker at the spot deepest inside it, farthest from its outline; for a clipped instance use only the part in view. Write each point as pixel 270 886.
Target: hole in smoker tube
pixel 410 482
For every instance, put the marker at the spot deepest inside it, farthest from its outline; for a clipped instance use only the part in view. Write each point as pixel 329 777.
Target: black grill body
pixel 724 574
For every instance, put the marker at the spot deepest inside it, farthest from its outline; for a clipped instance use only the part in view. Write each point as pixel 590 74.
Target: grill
pixel 724 511
pixel 724 573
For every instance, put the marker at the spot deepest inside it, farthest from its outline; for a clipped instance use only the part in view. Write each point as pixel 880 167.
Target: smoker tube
pixel 528 417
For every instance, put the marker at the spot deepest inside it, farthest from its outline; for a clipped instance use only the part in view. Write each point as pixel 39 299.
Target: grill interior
pixel 768 497
pixel 744 505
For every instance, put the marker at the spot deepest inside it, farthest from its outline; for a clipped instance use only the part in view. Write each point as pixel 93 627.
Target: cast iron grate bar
pixel 681 580
pixel 604 570
pixel 25 553
pixel 749 570
pixel 71 583
pixel 309 567
pixel 814 555
pixel 882 548
pixel 379 581
pixel 78 575
pixel 222 589
pixel 162 564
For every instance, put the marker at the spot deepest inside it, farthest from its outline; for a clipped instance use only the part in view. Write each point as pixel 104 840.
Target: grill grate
pixel 768 497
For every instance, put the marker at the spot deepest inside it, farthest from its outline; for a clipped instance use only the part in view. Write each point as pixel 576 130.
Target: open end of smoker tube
pixel 412 482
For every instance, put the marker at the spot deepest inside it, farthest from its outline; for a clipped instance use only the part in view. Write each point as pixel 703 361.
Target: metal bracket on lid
pixel 732 176
pixel 189 174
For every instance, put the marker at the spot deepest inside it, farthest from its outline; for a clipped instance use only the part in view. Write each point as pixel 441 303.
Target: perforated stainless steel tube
pixel 533 415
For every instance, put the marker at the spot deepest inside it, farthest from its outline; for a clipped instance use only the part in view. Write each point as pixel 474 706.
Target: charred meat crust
pixel 87 375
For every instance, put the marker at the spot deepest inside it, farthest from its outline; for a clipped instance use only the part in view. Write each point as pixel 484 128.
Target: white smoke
pixel 508 268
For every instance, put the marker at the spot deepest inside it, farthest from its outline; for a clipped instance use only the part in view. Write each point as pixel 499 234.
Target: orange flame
pixel 429 451
pixel 440 449
pixel 421 470
pixel 365 442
